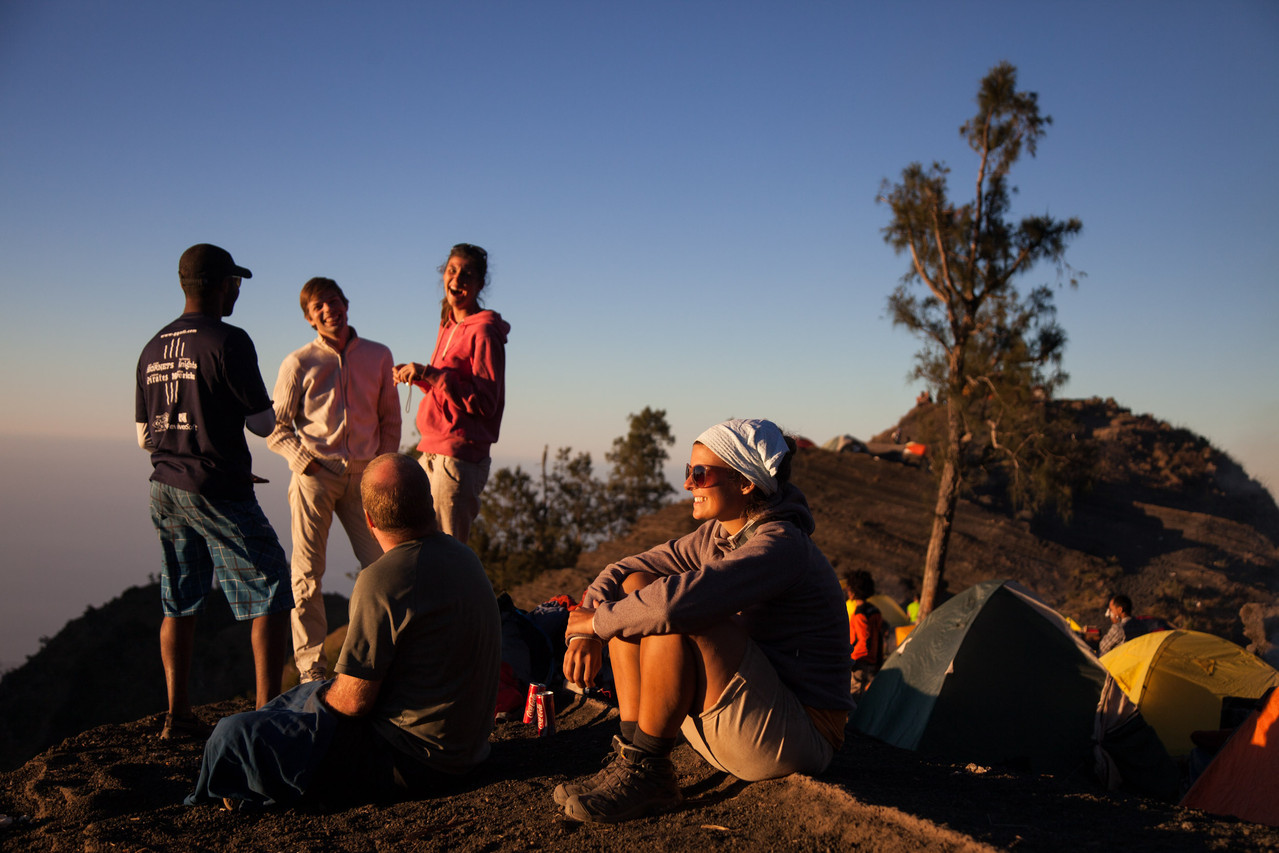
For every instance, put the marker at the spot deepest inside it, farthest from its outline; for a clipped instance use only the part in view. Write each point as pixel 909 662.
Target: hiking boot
pixel 315 673
pixel 637 783
pixel 585 786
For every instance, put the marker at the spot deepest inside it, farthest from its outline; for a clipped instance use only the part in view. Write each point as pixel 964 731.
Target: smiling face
pixel 724 493
pixel 326 311
pixel 462 285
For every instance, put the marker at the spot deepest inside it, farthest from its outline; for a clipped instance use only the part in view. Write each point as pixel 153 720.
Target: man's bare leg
pixel 269 633
pixel 177 643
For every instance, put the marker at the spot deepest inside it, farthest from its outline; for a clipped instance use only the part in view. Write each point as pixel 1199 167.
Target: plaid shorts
pixel 232 540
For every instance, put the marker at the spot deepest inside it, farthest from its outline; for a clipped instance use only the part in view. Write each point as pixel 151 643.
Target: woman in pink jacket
pixel 465 391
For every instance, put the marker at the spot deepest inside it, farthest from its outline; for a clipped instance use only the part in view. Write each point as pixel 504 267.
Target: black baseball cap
pixel 207 262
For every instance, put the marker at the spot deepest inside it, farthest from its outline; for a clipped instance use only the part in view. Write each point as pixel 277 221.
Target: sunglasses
pixel 697 473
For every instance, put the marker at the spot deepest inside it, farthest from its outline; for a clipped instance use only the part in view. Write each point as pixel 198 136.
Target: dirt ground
pixel 121 788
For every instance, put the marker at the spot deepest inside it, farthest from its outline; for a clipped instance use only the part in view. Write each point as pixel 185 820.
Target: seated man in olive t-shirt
pixel 412 705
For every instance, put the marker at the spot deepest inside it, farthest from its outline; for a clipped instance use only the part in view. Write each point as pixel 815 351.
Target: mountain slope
pixel 1172 522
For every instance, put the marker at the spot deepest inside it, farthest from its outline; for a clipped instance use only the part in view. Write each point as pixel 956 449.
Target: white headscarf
pixel 751 447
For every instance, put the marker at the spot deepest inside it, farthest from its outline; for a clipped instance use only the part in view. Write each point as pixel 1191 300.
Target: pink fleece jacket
pixel 461 414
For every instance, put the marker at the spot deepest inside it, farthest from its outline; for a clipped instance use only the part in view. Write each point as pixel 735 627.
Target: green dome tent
pixel 993 676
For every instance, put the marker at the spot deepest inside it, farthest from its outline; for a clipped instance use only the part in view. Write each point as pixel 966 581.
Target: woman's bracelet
pixel 571 637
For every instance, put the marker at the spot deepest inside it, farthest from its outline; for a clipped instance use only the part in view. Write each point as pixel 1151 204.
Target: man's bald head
pixel 397 497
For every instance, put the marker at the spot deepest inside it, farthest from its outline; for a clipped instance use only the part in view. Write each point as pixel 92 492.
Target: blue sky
pixel 678 200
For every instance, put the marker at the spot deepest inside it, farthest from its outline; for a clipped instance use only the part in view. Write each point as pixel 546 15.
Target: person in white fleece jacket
pixel 734 635
pixel 336 409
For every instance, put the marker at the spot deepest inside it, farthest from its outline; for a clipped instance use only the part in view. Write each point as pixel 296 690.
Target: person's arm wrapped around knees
pixel 584 652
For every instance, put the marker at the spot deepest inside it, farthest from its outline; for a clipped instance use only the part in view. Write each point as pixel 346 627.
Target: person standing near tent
pixel 1123 627
pixel 732 635
pixel 912 606
pixel 865 630
pixel 465 388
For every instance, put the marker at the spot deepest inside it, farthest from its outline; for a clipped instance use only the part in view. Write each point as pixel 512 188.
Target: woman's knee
pixel 636 581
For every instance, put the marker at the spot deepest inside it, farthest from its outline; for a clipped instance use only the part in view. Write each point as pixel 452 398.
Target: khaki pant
pixel 758 729
pixel 313 501
pixel 455 491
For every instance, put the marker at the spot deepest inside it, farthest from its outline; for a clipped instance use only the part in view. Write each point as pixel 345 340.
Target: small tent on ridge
pixel 892 612
pixel 995 676
pixel 1180 678
pixel 1240 781
pixel 896 623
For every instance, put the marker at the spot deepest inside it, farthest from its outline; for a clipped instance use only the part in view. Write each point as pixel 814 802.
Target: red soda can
pixel 530 703
pixel 545 713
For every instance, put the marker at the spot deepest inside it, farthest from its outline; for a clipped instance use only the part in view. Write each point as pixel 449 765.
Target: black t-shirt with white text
pixel 198 380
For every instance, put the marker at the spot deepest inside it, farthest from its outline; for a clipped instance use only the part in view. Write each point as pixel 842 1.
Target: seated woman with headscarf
pixel 735 635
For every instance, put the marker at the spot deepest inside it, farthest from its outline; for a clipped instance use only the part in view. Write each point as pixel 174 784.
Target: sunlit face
pixel 462 284
pixel 724 493
pixel 327 313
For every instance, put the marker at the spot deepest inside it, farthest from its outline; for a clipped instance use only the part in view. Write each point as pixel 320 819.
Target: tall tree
pixel 528 525
pixel 637 483
pixel 575 504
pixel 982 339
pixel 509 533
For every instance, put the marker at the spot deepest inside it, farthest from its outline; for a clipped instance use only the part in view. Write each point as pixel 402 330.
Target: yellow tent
pixel 890 610
pixel 895 620
pixel 1178 679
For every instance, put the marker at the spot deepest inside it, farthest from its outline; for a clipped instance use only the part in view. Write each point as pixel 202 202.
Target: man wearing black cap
pixel 198 388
